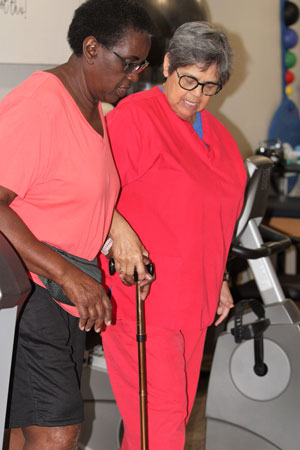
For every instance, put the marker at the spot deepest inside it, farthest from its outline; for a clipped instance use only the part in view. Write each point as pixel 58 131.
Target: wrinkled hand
pixel 127 250
pixel 145 284
pixel 225 303
pixel 89 297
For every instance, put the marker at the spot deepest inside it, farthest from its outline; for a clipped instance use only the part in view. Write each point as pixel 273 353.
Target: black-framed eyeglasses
pixel 129 67
pixel 190 83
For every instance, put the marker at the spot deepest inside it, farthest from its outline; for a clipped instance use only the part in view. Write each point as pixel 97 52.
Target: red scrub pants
pixel 173 359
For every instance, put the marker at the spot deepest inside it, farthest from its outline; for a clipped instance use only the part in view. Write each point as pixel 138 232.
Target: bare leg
pixel 50 438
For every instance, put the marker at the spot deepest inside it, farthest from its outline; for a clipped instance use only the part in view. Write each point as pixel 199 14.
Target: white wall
pixel 13 74
pixel 33 35
pixel 35 31
pixel 248 102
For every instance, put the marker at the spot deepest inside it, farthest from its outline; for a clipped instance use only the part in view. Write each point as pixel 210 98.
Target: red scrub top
pixel 182 195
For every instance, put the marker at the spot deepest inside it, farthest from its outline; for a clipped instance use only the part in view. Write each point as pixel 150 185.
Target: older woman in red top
pixel 58 191
pixel 183 182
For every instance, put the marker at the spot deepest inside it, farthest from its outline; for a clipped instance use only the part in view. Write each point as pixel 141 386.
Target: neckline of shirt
pixel 71 99
pixel 197 125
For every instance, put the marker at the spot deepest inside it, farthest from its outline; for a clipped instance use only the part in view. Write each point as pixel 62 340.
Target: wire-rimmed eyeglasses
pixel 129 67
pixel 189 83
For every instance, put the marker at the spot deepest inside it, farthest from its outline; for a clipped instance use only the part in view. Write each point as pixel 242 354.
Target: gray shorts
pixel 47 364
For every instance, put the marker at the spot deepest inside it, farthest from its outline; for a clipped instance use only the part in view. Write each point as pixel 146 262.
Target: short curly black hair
pixel 107 21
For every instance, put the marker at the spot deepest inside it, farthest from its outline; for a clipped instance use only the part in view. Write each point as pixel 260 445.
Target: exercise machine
pixel 253 399
pixel 14 288
pixel 280 205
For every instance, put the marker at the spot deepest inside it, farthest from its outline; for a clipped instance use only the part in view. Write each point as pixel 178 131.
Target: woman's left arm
pixel 129 253
pixel 225 303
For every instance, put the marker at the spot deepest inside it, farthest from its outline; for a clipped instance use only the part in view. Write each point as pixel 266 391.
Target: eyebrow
pixel 195 78
pixel 131 57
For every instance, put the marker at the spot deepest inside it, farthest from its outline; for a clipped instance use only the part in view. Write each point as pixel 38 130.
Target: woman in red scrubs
pixel 58 192
pixel 183 182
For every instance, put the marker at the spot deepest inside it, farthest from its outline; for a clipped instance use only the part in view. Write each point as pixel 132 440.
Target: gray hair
pixel 199 43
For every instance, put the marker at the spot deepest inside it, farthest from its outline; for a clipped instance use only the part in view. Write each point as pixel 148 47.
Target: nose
pixel 133 76
pixel 198 91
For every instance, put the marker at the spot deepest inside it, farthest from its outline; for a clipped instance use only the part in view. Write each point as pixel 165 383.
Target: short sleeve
pixel 22 139
pixel 126 139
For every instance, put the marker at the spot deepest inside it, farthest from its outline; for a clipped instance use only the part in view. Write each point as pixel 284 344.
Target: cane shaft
pixel 141 337
pixel 143 397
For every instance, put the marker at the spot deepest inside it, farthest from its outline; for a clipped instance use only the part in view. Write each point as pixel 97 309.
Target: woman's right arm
pixel 88 296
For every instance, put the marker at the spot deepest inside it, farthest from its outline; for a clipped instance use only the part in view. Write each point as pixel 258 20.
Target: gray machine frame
pixel 14 288
pixel 244 410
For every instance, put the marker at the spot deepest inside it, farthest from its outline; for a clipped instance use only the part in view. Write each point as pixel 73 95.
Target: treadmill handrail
pixel 279 243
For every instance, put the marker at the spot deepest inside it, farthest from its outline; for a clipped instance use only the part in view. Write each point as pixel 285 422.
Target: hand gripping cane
pixel 141 339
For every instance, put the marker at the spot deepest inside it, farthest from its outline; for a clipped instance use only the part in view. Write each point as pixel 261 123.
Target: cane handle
pixel 111 266
pixel 112 269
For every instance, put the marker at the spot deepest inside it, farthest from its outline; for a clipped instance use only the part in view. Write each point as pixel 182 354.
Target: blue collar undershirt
pixel 198 123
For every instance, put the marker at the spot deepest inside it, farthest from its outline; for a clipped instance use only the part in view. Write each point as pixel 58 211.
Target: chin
pixel 186 117
pixel 110 98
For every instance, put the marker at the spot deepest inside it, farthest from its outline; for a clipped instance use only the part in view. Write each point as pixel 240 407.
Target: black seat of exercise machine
pixel 14 283
pixel 290 287
pixel 238 262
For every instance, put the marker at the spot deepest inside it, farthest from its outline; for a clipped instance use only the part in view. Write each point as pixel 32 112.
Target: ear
pixel 90 49
pixel 166 65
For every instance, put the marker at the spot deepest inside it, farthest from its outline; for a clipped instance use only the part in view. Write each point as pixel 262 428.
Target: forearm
pixel 127 249
pixel 116 224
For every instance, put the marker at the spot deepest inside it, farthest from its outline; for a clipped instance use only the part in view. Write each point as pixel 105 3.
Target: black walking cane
pixel 141 339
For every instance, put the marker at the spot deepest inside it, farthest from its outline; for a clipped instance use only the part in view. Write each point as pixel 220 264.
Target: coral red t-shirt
pixel 60 168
